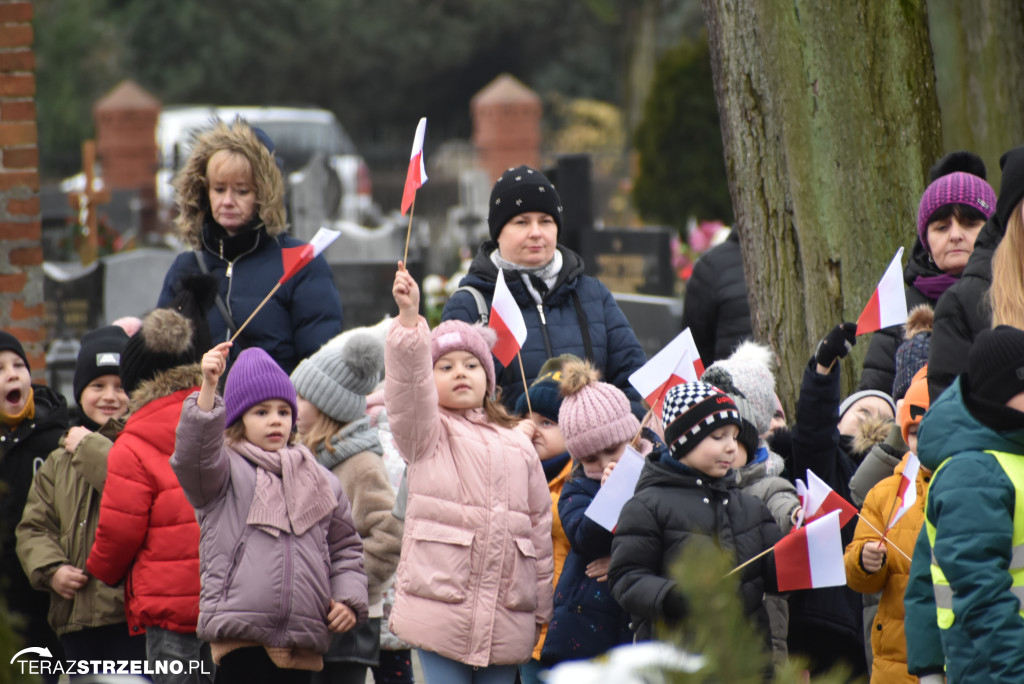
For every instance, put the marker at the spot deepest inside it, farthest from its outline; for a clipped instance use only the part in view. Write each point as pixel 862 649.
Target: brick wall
pixel 21 252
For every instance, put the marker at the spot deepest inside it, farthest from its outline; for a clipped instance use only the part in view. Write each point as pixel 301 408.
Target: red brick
pixel 20 312
pixel 30 230
pixel 17 60
pixel 24 110
pixel 15 35
pixel 13 282
pixel 12 179
pixel 21 158
pixel 29 207
pixel 15 12
pixel 17 85
pixel 26 256
pixel 26 335
pixel 18 134
pixel 38 364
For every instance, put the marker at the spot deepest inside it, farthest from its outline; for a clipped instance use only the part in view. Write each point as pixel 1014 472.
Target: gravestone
pixel 74 298
pixel 132 281
pixel 365 288
pixel 655 320
pixel 631 260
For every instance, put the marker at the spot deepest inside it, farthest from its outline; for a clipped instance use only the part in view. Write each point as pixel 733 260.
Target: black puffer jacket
pixel 22 452
pixel 672 505
pixel 962 312
pixel 715 308
pixel 879 369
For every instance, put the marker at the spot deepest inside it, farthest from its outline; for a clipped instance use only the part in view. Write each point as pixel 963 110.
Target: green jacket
pixel 58 527
pixel 971 504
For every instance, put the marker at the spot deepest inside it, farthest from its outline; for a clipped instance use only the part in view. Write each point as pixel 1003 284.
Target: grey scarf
pixel 354 438
pixel 548 273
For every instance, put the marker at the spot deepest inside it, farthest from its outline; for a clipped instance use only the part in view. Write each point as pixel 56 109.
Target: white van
pixel 300 134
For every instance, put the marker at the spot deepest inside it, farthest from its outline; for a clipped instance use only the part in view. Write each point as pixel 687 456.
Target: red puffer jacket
pixel 147 529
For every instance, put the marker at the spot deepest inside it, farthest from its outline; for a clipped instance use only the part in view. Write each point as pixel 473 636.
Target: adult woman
pixel 566 312
pixel 230 197
pixel 964 311
pixel 952 211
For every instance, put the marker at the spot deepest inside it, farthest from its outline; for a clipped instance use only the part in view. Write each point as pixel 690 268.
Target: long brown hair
pixel 1006 294
pixel 497 413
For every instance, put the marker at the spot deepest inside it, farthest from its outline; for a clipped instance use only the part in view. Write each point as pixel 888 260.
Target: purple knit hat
pixel 255 377
pixel 453 335
pixel 958 187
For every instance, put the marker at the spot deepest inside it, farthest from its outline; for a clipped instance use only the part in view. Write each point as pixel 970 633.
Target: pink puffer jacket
pixel 475 576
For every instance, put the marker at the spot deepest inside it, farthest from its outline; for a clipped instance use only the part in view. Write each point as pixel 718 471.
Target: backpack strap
pixel 483 311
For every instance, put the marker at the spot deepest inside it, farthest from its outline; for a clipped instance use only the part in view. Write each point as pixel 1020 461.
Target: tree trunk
pixel 979 73
pixel 829 122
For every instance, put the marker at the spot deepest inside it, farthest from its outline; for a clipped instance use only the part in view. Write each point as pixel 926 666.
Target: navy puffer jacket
pixel 556 327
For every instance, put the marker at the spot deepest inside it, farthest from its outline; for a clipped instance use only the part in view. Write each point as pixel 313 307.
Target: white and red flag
pixel 506 320
pixel 888 304
pixel 294 259
pixel 417 174
pixel 906 494
pixel 819 500
pixel 812 556
pixel 677 362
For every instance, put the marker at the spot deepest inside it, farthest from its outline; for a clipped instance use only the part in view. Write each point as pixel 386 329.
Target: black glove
pixel 836 344
pixel 676 606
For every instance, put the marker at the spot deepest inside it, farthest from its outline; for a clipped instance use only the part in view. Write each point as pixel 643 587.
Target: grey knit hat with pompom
pixel 337 380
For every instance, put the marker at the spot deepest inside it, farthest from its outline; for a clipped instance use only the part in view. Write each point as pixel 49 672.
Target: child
pixel 871 566
pixel 683 492
pixel 86 614
pixel 32 420
pixel 281 559
pixel 597 423
pixel 474 582
pixel 826 625
pixel 545 396
pixel 147 533
pixel 972 438
pixel 332 386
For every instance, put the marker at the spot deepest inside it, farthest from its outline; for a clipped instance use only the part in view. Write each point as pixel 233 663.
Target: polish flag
pixel 888 305
pixel 507 320
pixel 907 492
pixel 293 259
pixel 820 500
pixel 812 556
pixel 417 174
pixel 677 362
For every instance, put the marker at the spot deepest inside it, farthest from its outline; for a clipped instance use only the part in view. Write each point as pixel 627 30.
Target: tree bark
pixel 979 74
pixel 829 122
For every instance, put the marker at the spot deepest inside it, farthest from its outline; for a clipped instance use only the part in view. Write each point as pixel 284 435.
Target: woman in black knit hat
pixel 565 311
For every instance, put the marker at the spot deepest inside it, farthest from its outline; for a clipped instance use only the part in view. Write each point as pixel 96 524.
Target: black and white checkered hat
pixel 692 411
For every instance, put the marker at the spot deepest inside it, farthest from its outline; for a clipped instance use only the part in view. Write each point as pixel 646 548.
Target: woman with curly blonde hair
pixel 230 198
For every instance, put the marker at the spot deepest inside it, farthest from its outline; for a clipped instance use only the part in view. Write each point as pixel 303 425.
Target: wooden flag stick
pixel 882 535
pixel 748 562
pixel 526 389
pixel 256 311
pixel 408 231
pixel 648 416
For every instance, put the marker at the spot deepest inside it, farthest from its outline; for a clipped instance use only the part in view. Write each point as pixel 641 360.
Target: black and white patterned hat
pixel 692 411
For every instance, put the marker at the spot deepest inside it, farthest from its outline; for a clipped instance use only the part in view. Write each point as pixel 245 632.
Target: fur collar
pixel 165 384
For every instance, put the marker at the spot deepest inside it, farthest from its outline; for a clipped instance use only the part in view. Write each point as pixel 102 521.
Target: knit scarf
pixel 28 412
pixel 292 494
pixel 932 287
pixel 547 274
pixel 356 437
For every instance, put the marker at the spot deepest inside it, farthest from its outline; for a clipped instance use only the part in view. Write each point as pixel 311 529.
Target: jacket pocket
pixel 438 561
pixel 522 587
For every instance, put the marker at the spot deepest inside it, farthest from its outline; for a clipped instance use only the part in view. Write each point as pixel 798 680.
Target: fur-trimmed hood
pixel 166 383
pixel 190 183
pixel 872 431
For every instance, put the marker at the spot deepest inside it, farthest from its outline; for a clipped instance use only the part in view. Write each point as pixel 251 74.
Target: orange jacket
pixel 888 640
pixel 558 539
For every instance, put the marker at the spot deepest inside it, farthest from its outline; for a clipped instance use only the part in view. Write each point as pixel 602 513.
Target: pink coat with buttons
pixel 474 580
